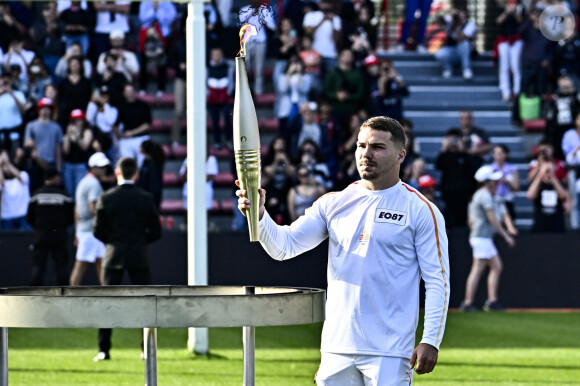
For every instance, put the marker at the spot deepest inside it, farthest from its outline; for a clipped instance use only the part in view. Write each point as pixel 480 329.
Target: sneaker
pixel 467 307
pixel 102 356
pixel 493 306
pixel 467 74
pixel 400 48
pixel 422 49
pixel 446 74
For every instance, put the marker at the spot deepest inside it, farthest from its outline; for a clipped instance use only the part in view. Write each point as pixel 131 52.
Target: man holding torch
pixel 383 237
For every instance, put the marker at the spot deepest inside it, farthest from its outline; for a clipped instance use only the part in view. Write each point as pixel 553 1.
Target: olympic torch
pixel 246 137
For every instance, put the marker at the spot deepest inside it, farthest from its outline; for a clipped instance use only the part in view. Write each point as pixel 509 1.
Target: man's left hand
pixel 425 356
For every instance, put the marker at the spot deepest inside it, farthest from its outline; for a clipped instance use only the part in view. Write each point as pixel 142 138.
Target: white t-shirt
pixel 104 120
pixel 9 111
pixel 322 40
pixel 380 244
pixel 106 24
pixel 15 197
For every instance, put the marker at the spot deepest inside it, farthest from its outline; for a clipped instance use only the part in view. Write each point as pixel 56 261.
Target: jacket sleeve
pixel 100 229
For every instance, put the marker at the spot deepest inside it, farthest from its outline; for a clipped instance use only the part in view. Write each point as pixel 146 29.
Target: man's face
pixel 216 56
pixel 376 155
pixel 465 119
pixel 117 43
pixel 129 93
pixel 346 58
pixel 44 112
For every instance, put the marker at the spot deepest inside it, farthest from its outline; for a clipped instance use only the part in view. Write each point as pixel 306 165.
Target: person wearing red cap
pixel 45 135
pixel 76 150
pixel 388 92
pixel 427 187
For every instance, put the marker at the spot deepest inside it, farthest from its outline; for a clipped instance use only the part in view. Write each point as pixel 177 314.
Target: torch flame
pixel 246 32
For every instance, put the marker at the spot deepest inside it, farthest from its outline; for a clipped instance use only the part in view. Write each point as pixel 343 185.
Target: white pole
pixel 198 341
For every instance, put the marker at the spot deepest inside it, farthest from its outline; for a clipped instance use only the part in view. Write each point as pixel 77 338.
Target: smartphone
pixel 293 32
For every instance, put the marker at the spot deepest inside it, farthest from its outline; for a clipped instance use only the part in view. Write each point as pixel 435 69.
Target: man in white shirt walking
pixel 383 237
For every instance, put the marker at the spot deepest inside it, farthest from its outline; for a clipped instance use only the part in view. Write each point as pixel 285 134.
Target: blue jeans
pixel 17 223
pixel 83 40
pixel 215 111
pixel 72 174
pixel 410 8
pixel 451 55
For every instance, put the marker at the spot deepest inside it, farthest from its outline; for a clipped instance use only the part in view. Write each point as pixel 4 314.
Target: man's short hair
pixel 389 125
pixel 128 167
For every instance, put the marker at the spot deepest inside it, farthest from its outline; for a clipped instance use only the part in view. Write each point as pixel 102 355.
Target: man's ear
pixel 117 173
pixel 402 155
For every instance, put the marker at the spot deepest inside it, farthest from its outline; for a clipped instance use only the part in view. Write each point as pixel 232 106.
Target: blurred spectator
pixel 24 13
pixel 50 213
pixel 100 115
pixel 126 61
pixel 113 79
pixel 151 172
pixel 220 85
pixel 51 92
pixel 26 159
pixel 90 250
pixel 304 127
pixel 344 86
pixel 133 125
pixel 111 16
pixel 406 169
pixel 77 23
pixel 371 72
pixel 411 8
pixel 8 30
pixel 418 169
pixel 303 195
pixel 428 187
pixel 278 172
pixel 509 183
pixel 325 27
pixel 292 90
pixel 567 58
pixel 45 135
pixel 211 170
pixel 295 11
pixel 388 92
pixel 485 219
pixel 213 24
pixel 287 44
pixel 347 169
pixel 359 44
pixel 75 50
pixel 309 154
pixel 12 107
pixel 509 46
pixel 311 58
pixel 48 35
pixel 560 113
pixel 545 153
pixel 179 86
pixel 76 149
pixel 17 60
pixel 38 79
pixel 74 92
pixel 548 193
pixel 475 140
pixel 358 27
pixel 330 126
pixel 156 19
pixel 537 55
pixel 458 47
pixel 262 18
pixel 571 149
pixel 457 168
pixel 15 195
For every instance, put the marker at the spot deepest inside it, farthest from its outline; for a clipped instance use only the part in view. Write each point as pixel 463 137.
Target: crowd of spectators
pixel 73 73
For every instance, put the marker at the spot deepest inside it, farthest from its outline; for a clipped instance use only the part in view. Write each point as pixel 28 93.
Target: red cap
pixel 77 114
pixel 371 60
pixel 45 102
pixel 426 180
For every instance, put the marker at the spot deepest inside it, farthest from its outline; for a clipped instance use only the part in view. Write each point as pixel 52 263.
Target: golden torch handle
pixel 249 171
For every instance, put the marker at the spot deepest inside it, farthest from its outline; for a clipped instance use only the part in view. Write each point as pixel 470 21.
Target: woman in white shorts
pixel 485 218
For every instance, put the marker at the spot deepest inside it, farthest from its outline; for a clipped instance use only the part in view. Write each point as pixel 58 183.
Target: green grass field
pixel 478 349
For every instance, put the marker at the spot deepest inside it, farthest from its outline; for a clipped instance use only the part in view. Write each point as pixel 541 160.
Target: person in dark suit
pixel 126 221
